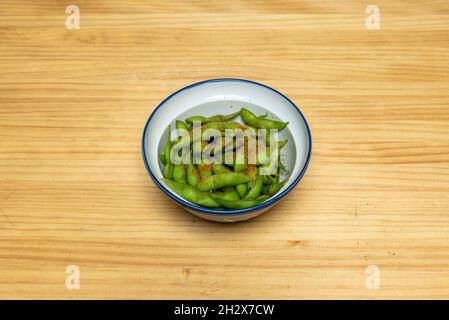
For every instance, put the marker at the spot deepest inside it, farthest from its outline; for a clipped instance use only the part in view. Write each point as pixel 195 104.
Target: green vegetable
pixel 254 192
pixel 252 173
pixel 179 173
pixel 217 118
pixel 242 189
pixel 221 180
pixel 262 198
pixel 162 159
pixel 228 194
pixel 275 188
pixel 193 176
pixel 250 119
pixel 282 143
pixel 191 120
pixel 205 170
pixel 281 165
pixel 168 169
pixel 191 194
pixel 238 204
pixel 224 186
pixel 220 168
pixel 181 125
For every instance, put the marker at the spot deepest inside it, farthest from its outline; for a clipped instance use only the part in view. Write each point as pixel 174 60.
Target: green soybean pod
pixel 242 189
pixel 191 194
pixel 205 170
pixel 239 167
pixel 254 192
pixel 262 198
pixel 266 180
pixel 264 190
pixel 222 126
pixel 168 169
pixel 252 172
pixel 282 143
pixel 281 165
pixel 262 158
pixel 181 125
pixel 193 176
pixel 179 173
pixel 222 118
pixel 272 166
pixel 233 191
pixel 274 178
pixel 266 160
pixel 252 120
pixel 162 158
pixel 228 194
pixel 220 168
pixel 191 120
pixel 238 204
pixel 274 188
pixel 270 180
pixel 233 125
pixel 218 125
pixel 216 118
pixel 221 180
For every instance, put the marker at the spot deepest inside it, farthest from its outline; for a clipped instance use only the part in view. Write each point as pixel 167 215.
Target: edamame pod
pixel 227 186
pixel 281 165
pixel 193 176
pixel 205 170
pixel 254 192
pixel 262 198
pixel 220 168
pixel 239 167
pixel 238 204
pixel 282 143
pixel 252 120
pixel 162 158
pixel 191 120
pixel 242 189
pixel 251 172
pixel 221 180
pixel 181 125
pixel 269 180
pixel 191 194
pixel 168 169
pixel 220 117
pixel 216 118
pixel 274 188
pixel 228 194
pixel 179 173
pixel 265 188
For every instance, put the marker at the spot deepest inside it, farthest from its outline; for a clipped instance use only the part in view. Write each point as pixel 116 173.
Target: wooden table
pixel 74 190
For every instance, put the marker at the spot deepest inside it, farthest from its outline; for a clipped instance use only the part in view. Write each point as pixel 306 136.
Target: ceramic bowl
pixel 223 96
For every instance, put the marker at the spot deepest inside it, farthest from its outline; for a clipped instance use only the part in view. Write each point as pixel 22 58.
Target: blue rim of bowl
pixel 267 203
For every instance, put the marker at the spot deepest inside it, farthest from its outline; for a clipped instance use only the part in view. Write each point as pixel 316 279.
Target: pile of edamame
pixel 224 186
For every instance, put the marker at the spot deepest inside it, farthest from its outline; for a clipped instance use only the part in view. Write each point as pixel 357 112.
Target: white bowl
pixel 223 96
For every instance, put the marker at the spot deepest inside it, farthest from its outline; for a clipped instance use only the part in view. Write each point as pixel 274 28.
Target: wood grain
pixel 74 190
